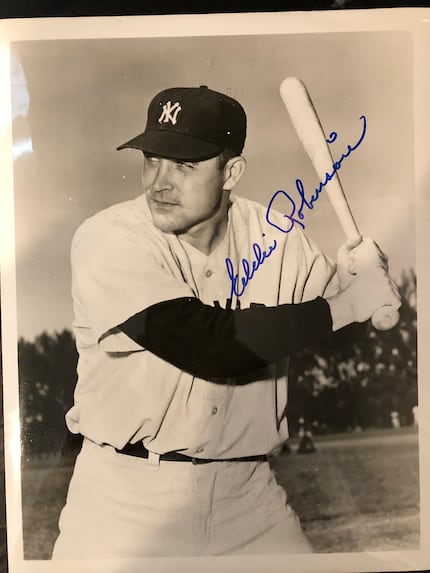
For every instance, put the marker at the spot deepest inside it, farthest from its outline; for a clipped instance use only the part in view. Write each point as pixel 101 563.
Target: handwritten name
pixel 249 269
pixel 294 215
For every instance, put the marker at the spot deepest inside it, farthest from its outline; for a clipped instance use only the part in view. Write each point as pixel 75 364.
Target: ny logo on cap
pixel 170 113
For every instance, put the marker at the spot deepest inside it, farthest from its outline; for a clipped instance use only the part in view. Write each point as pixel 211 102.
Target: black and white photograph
pixel 214 270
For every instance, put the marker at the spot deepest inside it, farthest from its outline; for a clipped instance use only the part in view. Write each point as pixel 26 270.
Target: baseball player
pixel 187 305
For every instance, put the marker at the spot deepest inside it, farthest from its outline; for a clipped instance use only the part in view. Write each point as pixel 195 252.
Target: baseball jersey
pixel 122 264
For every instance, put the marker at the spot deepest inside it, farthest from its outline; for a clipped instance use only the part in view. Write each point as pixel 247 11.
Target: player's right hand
pixel 369 291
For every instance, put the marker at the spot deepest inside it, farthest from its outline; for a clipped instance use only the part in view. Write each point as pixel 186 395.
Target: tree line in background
pixel 364 385
pixel 355 388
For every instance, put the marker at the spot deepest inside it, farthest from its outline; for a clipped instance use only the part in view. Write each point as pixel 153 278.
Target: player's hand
pixel 345 262
pixel 357 256
pixel 369 291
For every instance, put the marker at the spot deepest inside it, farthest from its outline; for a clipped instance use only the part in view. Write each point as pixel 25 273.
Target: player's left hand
pixel 357 256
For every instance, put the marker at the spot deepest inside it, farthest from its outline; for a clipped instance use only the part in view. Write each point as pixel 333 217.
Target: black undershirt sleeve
pixel 215 343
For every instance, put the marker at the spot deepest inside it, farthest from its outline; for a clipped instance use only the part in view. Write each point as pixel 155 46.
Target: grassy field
pixel 355 493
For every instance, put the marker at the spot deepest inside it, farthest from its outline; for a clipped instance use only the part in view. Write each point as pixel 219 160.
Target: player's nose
pixel 163 179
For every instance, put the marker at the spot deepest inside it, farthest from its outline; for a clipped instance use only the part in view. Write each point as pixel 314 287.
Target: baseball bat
pixel 311 135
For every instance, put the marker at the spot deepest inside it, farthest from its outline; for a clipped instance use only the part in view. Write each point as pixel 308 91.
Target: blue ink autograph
pixel 295 216
pixel 248 269
pixel 309 203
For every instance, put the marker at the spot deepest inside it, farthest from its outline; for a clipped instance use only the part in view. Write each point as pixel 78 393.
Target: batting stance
pixel 182 383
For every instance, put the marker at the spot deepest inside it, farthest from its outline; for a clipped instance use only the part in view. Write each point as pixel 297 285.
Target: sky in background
pixel 75 101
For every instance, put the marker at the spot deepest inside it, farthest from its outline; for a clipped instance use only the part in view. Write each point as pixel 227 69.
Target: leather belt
pixel 138 450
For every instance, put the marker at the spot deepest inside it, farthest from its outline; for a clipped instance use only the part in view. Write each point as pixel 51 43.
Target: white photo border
pixel 417 22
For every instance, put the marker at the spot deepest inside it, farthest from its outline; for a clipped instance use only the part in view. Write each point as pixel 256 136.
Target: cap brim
pixel 172 145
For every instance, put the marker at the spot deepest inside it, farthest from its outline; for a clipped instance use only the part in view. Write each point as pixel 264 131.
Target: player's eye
pixel 185 165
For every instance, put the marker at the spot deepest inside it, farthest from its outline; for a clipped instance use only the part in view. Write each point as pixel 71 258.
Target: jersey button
pixel 214 410
pixel 209 273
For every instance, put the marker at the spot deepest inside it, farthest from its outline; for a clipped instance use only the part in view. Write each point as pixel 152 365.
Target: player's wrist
pixel 342 311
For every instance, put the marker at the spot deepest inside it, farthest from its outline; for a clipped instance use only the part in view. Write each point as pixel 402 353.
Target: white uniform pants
pixel 120 506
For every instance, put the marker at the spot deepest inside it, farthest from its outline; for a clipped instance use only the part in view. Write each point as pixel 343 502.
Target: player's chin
pixel 165 223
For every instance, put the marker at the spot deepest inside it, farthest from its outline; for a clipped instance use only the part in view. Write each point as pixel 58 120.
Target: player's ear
pixel 233 170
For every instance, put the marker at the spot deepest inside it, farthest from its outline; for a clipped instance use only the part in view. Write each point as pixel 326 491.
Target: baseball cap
pixel 191 124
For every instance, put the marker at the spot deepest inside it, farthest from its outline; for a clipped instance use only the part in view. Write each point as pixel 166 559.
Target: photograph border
pixel 416 21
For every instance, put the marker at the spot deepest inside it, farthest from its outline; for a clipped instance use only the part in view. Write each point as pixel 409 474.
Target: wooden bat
pixel 311 134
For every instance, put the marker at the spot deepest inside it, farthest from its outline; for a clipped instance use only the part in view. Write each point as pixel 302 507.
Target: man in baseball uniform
pixel 187 304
